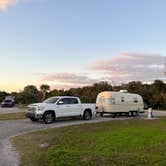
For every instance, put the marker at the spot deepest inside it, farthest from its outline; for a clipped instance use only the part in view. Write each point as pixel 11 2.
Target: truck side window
pixel 63 101
pixel 122 99
pixel 73 101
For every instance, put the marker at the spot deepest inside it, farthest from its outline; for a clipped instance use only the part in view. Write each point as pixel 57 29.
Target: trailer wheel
pixel 113 115
pixel 101 114
pixel 136 113
pixel 130 113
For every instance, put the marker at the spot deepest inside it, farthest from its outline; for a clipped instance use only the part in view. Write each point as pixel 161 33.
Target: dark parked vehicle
pixel 8 102
pixel 145 106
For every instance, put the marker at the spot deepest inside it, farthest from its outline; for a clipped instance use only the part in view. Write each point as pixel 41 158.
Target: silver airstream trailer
pixel 121 102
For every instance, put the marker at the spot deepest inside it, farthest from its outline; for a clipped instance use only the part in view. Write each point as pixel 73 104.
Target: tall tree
pixel 44 89
pixel 31 89
pixel 30 94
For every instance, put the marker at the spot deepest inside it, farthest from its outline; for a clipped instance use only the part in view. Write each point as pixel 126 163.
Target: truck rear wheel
pixel 49 117
pixel 87 115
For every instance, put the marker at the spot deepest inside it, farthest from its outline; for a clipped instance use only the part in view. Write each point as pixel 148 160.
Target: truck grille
pixel 31 109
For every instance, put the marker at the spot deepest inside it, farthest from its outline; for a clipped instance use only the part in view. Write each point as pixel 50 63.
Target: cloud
pixel 4 4
pixel 116 70
pixel 67 80
pixel 131 67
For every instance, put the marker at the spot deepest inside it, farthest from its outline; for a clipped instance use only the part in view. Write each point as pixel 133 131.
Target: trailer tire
pixel 136 113
pixel 113 115
pixel 130 113
pixel 101 114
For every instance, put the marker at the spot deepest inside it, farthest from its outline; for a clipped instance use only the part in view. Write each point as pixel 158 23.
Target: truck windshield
pixel 51 100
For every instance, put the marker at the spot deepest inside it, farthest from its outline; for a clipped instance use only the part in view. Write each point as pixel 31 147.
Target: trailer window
pixel 122 99
pixel 100 100
pixel 135 100
pixel 110 101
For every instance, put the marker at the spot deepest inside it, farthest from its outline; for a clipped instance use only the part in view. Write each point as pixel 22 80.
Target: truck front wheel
pixel 87 115
pixel 49 117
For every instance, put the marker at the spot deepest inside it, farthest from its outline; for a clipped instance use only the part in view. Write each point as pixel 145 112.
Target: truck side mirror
pixel 60 102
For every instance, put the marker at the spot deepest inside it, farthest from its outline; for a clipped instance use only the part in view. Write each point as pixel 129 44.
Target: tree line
pixel 153 94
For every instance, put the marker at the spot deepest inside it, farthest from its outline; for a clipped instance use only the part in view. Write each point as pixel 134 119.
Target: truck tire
pixel 48 117
pixel 87 115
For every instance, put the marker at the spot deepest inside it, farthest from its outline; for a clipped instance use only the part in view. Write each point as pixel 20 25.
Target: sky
pixel 73 43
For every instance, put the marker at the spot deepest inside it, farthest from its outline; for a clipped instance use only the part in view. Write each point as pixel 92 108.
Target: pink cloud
pixel 131 67
pixel 4 4
pixel 63 86
pixel 115 70
pixel 67 80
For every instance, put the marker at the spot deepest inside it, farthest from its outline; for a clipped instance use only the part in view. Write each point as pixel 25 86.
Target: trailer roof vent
pixel 123 91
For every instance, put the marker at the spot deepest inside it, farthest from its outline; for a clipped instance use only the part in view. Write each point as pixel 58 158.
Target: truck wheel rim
pixel 49 118
pixel 87 115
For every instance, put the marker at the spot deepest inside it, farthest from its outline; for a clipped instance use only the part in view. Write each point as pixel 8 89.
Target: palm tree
pixel 31 89
pixel 44 89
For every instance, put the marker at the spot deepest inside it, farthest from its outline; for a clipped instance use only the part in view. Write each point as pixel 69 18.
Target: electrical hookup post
pixel 150 114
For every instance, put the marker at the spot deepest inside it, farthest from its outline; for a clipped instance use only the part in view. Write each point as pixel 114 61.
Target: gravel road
pixel 8 157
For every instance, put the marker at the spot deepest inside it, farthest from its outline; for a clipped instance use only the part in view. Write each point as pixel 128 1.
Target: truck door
pixel 75 106
pixel 69 107
pixel 63 107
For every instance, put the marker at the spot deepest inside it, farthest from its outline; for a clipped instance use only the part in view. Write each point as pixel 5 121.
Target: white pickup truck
pixel 59 107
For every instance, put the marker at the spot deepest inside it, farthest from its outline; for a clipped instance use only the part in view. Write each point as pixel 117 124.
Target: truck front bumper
pixel 33 115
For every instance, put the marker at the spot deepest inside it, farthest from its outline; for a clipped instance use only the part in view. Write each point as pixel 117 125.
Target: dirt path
pixel 8 156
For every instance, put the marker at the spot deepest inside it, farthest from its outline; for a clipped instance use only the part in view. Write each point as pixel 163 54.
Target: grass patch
pixel 12 116
pixel 116 143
